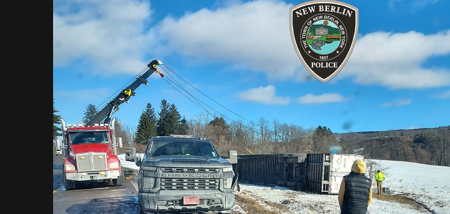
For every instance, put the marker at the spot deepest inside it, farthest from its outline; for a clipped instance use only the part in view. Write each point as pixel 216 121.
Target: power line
pixel 208 96
pixel 197 102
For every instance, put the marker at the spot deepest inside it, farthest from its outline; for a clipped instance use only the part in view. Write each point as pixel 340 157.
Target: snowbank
pixel 129 164
pixel 302 202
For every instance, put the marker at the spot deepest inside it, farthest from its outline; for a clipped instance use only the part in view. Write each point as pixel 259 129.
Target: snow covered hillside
pixel 427 184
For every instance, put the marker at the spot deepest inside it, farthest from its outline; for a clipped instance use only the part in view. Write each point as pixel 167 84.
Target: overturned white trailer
pixel 321 173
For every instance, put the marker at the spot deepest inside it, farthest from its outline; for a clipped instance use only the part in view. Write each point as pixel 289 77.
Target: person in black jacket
pixel 355 193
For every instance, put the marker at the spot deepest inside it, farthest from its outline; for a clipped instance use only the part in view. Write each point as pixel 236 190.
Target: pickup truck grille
pixel 91 161
pixel 189 184
pixel 190 178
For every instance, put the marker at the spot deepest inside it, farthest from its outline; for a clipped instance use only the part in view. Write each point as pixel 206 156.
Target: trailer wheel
pixel 69 185
pixel 119 180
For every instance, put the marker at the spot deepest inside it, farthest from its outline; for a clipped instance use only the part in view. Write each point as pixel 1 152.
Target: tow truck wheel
pixel 119 180
pixel 69 185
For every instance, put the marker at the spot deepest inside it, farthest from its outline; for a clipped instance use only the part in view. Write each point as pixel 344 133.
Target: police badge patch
pixel 324 35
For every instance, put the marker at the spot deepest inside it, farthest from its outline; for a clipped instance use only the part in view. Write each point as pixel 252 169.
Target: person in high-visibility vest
pixel 379 177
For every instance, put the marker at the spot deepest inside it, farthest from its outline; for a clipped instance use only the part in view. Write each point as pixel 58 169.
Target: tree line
pixel 427 147
pixel 272 137
pixel 262 137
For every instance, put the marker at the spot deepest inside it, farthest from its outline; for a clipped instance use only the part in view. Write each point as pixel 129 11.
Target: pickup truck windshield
pixel 182 148
pixel 88 137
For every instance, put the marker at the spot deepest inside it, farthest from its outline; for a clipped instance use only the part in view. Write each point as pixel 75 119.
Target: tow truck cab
pixel 90 155
pixel 90 150
pixel 184 174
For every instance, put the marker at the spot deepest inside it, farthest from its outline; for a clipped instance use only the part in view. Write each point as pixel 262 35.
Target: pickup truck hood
pixel 89 147
pixel 188 162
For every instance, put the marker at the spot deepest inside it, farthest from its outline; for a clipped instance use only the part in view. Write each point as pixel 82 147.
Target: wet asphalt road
pixel 57 170
pixel 97 198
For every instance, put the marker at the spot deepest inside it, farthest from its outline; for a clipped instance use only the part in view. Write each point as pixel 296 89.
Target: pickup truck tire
pixel 119 180
pixel 69 185
pixel 142 211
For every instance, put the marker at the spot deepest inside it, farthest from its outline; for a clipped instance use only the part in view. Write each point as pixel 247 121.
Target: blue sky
pixel 240 54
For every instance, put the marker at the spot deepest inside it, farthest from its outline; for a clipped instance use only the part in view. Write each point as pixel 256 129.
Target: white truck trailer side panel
pixel 341 165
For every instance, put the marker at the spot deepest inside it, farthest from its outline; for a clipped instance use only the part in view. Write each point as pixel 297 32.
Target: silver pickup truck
pixel 183 174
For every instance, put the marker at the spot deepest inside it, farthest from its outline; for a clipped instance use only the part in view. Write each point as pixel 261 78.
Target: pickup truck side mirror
pixel 232 157
pixel 139 161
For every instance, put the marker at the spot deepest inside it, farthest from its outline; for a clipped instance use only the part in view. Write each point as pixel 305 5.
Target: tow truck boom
pixel 107 111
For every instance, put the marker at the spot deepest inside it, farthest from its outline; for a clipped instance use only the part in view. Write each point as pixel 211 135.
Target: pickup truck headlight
pixel 227 180
pixel 228 169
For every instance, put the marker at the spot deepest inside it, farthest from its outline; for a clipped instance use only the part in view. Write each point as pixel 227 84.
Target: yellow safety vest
pixel 379 177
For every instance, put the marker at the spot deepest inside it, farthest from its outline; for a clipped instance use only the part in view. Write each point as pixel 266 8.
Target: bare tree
pixel 264 131
pixel 372 168
pixel 440 147
pixel 276 131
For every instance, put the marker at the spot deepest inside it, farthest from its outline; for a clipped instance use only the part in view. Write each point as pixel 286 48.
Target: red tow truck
pixel 90 150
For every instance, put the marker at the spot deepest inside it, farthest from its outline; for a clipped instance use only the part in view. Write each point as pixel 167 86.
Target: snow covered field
pixel 426 184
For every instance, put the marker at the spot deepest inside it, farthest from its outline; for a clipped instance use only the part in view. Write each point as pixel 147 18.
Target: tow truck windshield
pixel 88 137
pixel 182 148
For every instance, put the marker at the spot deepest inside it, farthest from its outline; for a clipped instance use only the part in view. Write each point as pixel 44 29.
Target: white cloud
pixel 444 95
pixel 319 99
pixel 264 95
pixel 253 35
pixel 114 36
pixel 106 34
pixel 394 60
pixel 399 102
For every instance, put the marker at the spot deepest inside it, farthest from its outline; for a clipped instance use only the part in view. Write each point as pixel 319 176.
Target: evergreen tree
pixel 218 130
pixel 56 120
pixel 89 113
pixel 174 119
pixel 146 125
pixel 164 124
pixel 219 121
pixel 322 139
pixel 183 127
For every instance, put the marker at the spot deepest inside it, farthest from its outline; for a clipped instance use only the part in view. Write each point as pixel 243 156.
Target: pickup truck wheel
pixel 69 185
pixel 142 211
pixel 119 180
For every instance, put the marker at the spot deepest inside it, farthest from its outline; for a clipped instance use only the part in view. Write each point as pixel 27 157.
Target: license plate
pixel 191 200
